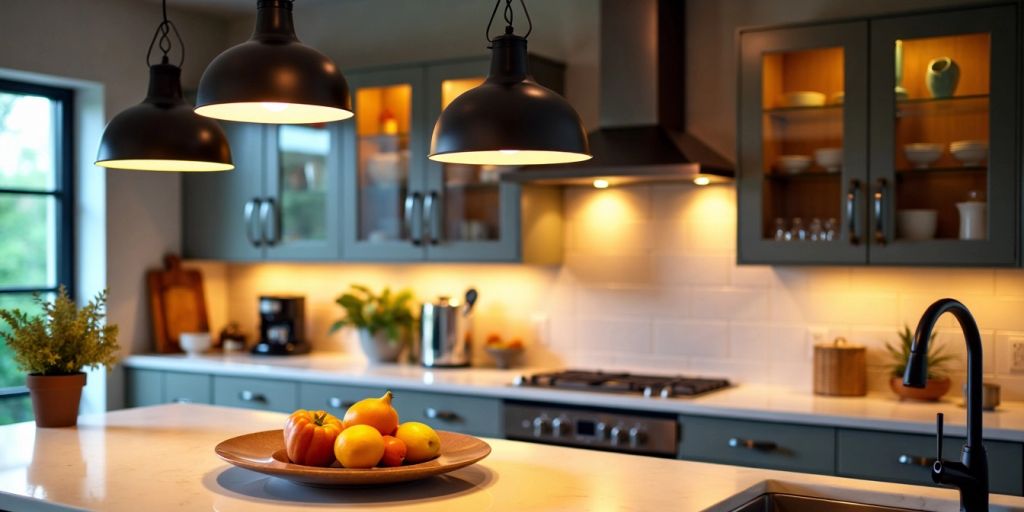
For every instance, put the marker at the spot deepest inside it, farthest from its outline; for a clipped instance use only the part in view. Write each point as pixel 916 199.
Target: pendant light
pixel 509 119
pixel 273 78
pixel 163 133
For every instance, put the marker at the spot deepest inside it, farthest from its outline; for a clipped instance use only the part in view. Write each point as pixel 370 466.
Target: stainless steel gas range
pixel 606 429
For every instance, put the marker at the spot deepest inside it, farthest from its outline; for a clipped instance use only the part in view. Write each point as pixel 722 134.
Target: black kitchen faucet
pixel 970 475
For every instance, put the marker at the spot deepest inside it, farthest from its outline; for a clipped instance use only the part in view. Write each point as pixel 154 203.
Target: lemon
pixel 421 442
pixel 359 446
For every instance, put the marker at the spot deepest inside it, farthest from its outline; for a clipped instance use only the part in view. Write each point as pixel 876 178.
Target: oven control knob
pixel 600 430
pixel 637 437
pixel 561 426
pixel 541 426
pixel 618 435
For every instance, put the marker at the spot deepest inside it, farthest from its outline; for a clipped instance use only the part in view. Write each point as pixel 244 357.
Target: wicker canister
pixel 840 369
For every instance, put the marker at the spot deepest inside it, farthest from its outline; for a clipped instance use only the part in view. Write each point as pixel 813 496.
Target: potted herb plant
pixel 938 361
pixel 54 348
pixel 383 322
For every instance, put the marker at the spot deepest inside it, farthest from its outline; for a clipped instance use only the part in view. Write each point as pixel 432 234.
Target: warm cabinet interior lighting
pixel 600 183
pixel 701 180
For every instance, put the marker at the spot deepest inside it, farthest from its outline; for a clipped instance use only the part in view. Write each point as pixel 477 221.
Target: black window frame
pixel 63 192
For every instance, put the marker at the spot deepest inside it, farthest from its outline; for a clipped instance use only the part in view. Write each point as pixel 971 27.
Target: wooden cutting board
pixel 176 303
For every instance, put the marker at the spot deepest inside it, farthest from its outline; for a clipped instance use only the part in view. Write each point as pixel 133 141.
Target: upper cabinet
pixel 364 189
pixel 909 161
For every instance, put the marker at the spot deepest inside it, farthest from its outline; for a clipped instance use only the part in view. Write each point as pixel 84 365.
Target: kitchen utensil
pixel 840 369
pixel 794 164
pixel 195 343
pixel 989 395
pixel 942 77
pixel 446 331
pixel 970 153
pixel 176 303
pixel 917 224
pixel 282 326
pixel 264 452
pixel 829 158
pixel 922 154
pixel 973 220
pixel 802 99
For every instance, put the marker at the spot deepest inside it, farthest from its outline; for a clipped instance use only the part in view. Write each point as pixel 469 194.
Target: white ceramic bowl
pixel 970 153
pixel 794 164
pixel 923 154
pixel 829 158
pixel 802 99
pixel 195 343
pixel 917 224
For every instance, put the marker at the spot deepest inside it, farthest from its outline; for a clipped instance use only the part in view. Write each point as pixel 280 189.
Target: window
pixel 36 213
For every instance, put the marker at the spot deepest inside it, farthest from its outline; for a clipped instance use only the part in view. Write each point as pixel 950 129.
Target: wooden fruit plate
pixel 264 452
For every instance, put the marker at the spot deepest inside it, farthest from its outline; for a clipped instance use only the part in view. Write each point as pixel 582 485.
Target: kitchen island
pixel 161 458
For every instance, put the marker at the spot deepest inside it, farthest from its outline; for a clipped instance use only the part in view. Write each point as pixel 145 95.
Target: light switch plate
pixel 1017 355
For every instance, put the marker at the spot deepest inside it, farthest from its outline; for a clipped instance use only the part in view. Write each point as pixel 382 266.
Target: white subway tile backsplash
pixel 691 269
pixel 729 303
pixel 695 338
pixel 614 334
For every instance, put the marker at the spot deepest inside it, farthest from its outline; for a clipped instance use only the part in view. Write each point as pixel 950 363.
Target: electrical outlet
pixel 1017 355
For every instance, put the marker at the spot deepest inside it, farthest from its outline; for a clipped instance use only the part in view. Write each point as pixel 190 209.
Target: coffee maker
pixel 282 326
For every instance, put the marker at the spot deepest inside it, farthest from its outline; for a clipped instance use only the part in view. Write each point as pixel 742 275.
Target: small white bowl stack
pixel 970 153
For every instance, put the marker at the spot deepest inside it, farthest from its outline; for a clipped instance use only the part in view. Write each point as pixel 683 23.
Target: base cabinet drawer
pixel 336 399
pixel 188 388
pixel 457 413
pixel 907 458
pixel 267 395
pixel 144 387
pixel 758 444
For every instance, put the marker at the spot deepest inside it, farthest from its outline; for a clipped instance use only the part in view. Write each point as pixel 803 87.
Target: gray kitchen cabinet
pixel 458 413
pixel 400 206
pixel 153 387
pixel 812 147
pixel 333 398
pixel 907 458
pixel 759 444
pixel 263 394
pixel 280 203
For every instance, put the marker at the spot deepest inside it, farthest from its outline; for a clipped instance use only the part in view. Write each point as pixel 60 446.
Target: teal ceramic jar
pixel 942 77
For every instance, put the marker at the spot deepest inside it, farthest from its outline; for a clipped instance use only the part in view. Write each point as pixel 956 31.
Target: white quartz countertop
pixel 162 458
pixel 878 412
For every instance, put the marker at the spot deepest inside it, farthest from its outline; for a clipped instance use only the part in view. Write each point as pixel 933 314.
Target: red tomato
pixel 309 437
pixel 394 452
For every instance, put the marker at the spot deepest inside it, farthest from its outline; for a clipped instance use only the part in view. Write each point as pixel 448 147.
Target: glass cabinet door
pixel 943 151
pixel 299 215
pixel 803 146
pixel 384 198
pixel 467 208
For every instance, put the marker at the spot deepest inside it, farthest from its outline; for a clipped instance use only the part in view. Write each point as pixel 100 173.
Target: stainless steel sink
pixel 777 502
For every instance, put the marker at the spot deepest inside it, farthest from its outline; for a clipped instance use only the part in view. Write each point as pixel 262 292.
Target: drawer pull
pixel 338 403
pixel 249 396
pixel 916 460
pixel 750 444
pixel 436 414
pixel 181 400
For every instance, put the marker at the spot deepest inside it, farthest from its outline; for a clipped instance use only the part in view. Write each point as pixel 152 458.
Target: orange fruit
pixel 359 446
pixel 375 412
pixel 394 452
pixel 421 442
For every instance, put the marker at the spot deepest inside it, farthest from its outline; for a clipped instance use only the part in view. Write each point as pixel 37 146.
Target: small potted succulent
pixel 55 347
pixel 384 322
pixel 938 362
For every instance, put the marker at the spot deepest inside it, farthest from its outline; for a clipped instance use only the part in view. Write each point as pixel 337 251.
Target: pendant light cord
pixel 508 15
pixel 163 33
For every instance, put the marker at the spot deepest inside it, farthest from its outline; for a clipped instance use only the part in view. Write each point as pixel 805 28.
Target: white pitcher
pixel 973 220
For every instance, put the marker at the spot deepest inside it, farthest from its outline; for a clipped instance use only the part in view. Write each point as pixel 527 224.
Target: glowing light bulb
pixel 600 183
pixel 274 107
pixel 508 151
pixel 701 180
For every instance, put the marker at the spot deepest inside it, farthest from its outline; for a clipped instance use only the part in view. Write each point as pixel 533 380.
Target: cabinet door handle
pixel 414 217
pixel 337 403
pixel 251 396
pixel 879 207
pixel 915 460
pixel 851 211
pixel 433 214
pixel 438 414
pixel 181 400
pixel 249 211
pixel 751 444
pixel 268 217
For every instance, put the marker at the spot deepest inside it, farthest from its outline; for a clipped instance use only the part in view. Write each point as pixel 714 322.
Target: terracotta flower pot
pixel 378 347
pixel 933 390
pixel 55 398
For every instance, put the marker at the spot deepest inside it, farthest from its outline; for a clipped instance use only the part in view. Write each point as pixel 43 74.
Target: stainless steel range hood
pixel 642 135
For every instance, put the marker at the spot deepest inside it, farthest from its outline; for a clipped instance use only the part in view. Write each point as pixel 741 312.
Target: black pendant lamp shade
pixel 273 78
pixel 163 133
pixel 509 119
